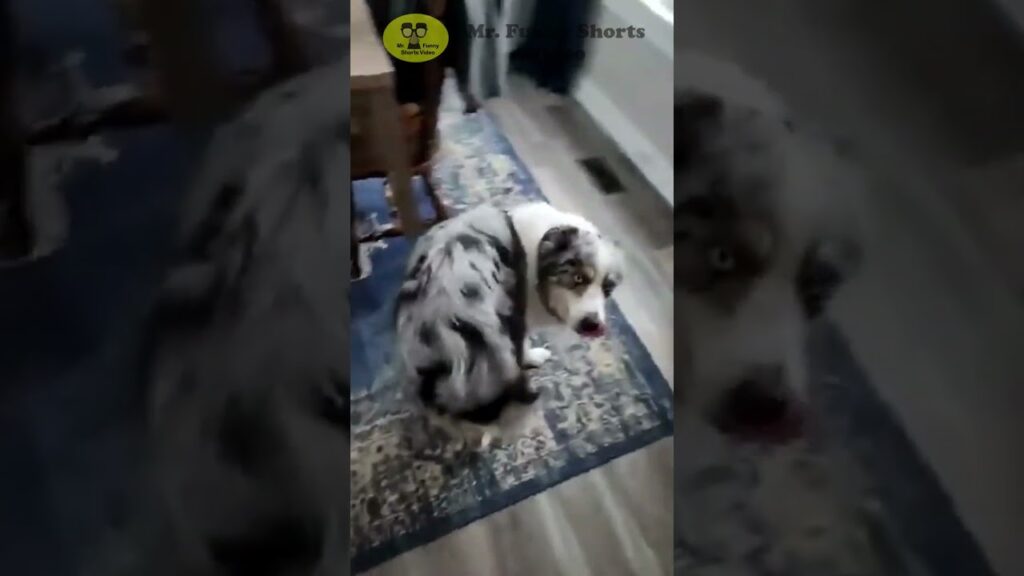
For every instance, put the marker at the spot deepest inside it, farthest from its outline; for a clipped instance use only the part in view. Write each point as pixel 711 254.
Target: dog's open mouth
pixel 592 331
pixel 750 414
pixel 591 327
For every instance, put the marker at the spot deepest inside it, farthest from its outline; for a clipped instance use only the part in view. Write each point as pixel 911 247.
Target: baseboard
pixel 654 164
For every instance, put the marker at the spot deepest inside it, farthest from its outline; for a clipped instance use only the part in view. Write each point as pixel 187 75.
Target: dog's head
pixel 757 258
pixel 577 271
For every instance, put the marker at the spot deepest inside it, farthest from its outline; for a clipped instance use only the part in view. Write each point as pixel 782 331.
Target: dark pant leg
pixel 458 53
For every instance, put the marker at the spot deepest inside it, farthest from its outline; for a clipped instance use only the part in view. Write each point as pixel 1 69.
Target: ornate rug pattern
pixel 600 399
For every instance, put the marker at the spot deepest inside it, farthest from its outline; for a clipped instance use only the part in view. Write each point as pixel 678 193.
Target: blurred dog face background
pixel 765 234
pixel 246 374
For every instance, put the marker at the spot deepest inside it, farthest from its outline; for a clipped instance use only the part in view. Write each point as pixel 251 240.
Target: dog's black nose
pixel 590 325
pixel 760 405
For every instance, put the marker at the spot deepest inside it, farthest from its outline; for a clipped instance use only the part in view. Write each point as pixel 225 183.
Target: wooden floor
pixel 617 519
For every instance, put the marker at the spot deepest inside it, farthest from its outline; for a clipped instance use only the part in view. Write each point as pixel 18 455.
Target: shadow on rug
pixel 600 399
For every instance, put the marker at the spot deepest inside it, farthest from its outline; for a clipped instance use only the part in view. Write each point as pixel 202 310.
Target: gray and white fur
pixel 476 286
pixel 246 373
pixel 766 231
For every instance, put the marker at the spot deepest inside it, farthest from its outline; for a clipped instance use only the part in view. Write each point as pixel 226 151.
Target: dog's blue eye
pixel 721 259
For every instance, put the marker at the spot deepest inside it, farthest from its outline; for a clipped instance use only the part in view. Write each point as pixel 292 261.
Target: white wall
pixel 1015 10
pixel 627 86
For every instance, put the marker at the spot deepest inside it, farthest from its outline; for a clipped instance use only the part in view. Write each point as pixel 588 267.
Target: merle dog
pixel 476 286
pixel 765 234
pixel 246 372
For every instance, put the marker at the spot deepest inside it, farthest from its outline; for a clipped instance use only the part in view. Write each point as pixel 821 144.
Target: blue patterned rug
pixel 601 399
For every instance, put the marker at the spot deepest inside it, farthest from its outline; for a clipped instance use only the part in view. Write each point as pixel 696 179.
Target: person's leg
pixel 459 45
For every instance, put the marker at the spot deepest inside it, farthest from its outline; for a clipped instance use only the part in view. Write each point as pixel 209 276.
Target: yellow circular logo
pixel 415 38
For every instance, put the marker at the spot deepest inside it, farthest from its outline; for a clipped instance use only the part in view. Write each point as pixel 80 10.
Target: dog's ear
pixel 695 112
pixel 557 240
pixel 697 212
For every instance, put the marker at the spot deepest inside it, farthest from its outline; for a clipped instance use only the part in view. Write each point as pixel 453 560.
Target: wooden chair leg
pixel 356 269
pixel 391 148
pixel 440 210
pixel 16 233
pixel 191 84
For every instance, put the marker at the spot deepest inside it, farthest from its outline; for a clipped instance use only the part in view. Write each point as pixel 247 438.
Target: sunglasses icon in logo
pixel 413 34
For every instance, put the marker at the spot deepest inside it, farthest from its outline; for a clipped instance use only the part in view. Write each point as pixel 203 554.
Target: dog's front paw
pixel 534 357
pixel 486 440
